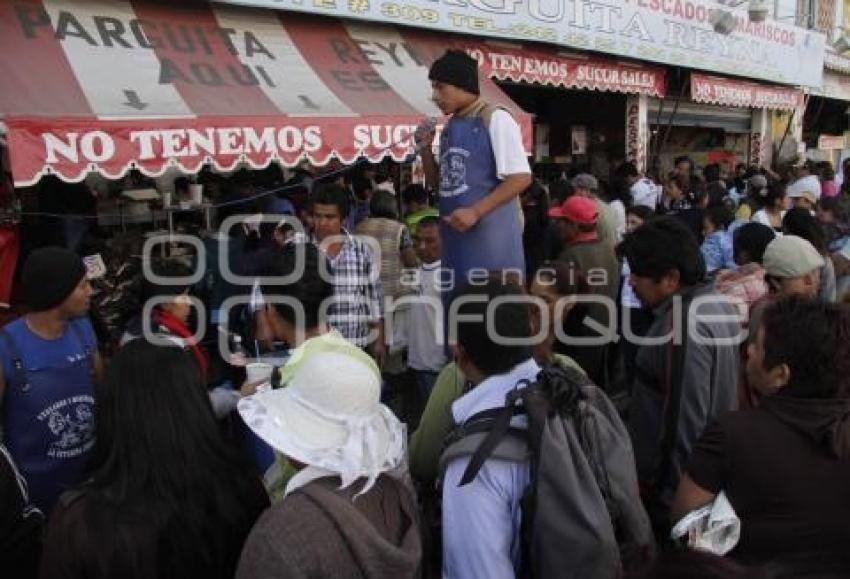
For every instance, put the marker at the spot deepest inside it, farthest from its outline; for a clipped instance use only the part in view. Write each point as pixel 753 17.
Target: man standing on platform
pixel 482 170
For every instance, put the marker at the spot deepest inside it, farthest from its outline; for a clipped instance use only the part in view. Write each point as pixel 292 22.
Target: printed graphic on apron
pixel 71 421
pixel 453 172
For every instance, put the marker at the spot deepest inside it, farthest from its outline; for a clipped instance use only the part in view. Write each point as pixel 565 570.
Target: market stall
pixel 719 120
pixel 149 86
pixel 108 104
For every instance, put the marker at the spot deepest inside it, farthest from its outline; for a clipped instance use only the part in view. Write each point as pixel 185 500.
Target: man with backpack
pixel 687 365
pixel 531 489
pixel 480 174
pixel 481 520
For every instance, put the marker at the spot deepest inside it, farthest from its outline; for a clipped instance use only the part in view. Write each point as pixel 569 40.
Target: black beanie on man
pixel 458 69
pixel 50 275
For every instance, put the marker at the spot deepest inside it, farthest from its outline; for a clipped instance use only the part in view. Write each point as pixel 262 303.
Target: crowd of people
pixel 481 376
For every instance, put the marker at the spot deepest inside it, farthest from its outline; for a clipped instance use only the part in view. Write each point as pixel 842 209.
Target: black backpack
pixel 581 514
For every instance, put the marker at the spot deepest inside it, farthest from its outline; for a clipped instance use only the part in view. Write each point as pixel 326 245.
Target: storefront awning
pixel 549 67
pixel 835 86
pixel 690 114
pixel 836 62
pixel 107 86
pixel 731 92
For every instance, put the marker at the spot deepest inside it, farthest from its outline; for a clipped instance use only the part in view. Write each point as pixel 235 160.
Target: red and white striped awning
pixel 106 86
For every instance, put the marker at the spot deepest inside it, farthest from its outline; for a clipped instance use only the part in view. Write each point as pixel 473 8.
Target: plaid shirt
pixel 357 291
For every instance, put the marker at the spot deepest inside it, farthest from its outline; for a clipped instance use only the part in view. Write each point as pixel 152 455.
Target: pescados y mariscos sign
pixel 676 32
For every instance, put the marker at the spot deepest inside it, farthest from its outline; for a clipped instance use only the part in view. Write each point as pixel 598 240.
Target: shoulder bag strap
pixel 673 402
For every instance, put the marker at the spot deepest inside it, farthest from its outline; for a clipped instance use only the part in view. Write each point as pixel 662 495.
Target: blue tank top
pixel 468 173
pixel 48 405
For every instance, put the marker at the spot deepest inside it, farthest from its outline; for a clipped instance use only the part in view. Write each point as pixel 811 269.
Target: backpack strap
pixel 20 374
pixel 513 447
pixel 482 422
pixel 499 427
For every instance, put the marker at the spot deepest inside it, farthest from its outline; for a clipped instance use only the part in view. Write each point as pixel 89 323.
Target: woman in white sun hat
pixel 346 513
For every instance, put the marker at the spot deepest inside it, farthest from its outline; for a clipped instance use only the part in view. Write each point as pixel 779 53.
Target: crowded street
pixel 461 289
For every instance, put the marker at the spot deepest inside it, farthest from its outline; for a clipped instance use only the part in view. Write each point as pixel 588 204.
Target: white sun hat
pixel 330 417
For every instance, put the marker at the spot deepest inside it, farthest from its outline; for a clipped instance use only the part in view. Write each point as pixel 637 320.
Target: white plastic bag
pixel 715 528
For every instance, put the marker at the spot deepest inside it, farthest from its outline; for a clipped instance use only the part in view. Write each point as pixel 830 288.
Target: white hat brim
pixel 296 431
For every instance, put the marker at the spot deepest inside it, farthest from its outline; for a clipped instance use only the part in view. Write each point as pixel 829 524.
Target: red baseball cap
pixel 578 209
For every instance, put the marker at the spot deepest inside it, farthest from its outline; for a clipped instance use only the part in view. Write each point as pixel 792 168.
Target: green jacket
pixel 426 444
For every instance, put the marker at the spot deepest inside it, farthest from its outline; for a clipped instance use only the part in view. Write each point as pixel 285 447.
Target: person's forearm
pixel 508 190
pixel 429 165
pixel 689 497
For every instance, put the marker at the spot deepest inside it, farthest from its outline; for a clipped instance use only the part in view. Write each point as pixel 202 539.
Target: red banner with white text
pixel 554 69
pixel 739 93
pixel 72 148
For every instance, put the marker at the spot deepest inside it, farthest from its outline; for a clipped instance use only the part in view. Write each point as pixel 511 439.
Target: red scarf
pixel 179 329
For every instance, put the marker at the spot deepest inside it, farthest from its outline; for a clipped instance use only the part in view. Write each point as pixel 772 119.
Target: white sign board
pixel 831 142
pixel 675 32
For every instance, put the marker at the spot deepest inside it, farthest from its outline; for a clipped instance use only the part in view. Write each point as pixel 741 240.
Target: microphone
pixel 429 125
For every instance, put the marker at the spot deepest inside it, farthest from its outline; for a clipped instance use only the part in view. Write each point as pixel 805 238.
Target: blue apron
pixel 48 420
pixel 468 173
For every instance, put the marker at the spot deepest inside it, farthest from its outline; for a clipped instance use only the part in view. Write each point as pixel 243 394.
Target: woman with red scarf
pixel 169 320
pixel 172 318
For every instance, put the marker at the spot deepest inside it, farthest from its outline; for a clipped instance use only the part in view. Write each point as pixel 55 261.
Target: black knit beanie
pixel 458 69
pixel 50 275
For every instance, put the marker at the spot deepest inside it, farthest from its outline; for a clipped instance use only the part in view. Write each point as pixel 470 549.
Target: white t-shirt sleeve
pixel 506 138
